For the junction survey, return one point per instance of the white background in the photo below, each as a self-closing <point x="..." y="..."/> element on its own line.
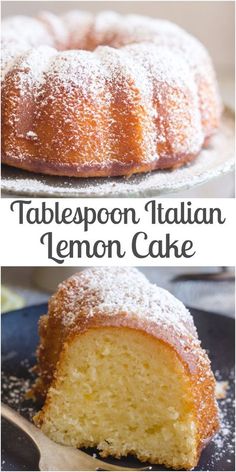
<point x="214" y="244"/>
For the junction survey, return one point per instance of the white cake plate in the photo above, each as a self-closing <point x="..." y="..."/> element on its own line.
<point x="217" y="160"/>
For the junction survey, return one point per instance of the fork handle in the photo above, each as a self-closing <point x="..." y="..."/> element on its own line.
<point x="19" y="421"/>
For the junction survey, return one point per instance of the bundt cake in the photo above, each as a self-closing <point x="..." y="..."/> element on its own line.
<point x="104" y="95"/>
<point x="121" y="368"/>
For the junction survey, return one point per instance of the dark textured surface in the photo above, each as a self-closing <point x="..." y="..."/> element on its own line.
<point x="19" y="341"/>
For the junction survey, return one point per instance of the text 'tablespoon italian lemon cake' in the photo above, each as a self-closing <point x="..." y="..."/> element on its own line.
<point x="121" y="368"/>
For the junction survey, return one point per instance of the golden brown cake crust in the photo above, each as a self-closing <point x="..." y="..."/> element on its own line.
<point x="132" y="97"/>
<point x="44" y="166"/>
<point x="124" y="298"/>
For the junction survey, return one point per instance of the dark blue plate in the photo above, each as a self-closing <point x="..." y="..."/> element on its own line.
<point x="19" y="341"/>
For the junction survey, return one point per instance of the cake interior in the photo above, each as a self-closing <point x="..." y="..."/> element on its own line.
<point x="124" y="392"/>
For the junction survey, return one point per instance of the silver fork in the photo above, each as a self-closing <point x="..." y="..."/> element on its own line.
<point x="54" y="456"/>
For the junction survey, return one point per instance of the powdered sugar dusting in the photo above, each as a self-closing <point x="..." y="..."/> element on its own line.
<point x="14" y="392"/>
<point x="111" y="292"/>
<point x="221" y="389"/>
<point x="171" y="81"/>
<point x="120" y="108"/>
<point x="23" y="28"/>
<point x="56" y="28"/>
<point x="224" y="441"/>
<point x="31" y="135"/>
<point x="78" y="25"/>
<point x="120" y="30"/>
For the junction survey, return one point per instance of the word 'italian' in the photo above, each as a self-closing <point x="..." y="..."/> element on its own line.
<point x="55" y="212"/>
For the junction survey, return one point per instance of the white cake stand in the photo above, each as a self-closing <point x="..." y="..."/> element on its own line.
<point x="217" y="160"/>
